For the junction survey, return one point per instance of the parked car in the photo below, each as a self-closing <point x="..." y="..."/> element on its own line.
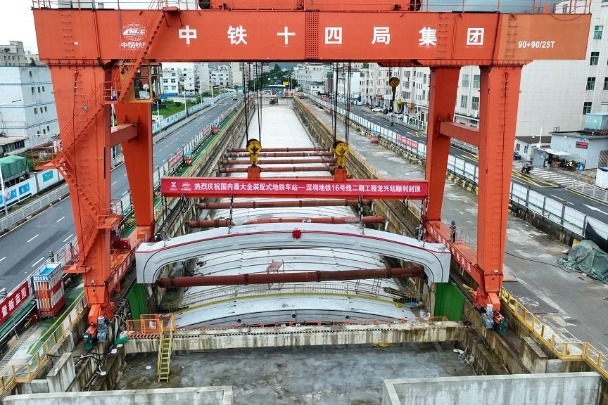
<point x="516" y="156"/>
<point x="377" y="109"/>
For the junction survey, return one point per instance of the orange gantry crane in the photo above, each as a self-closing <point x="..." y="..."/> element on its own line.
<point x="110" y="56"/>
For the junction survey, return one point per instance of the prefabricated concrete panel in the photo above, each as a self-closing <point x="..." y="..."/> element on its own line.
<point x="521" y="389"/>
<point x="220" y="395"/>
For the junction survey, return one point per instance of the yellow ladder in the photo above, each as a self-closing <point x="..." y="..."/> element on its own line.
<point x="163" y="368"/>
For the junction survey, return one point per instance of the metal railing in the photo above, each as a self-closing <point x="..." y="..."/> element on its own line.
<point x="503" y="6"/>
<point x="40" y="203"/>
<point x="561" y="215"/>
<point x="563" y="349"/>
<point x="28" y="370"/>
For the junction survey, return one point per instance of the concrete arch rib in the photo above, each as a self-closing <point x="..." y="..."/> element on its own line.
<point x="151" y="257"/>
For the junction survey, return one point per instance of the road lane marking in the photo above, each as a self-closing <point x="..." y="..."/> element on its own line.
<point x="115" y="182"/>
<point x="68" y="238"/>
<point x="60" y="219"/>
<point x="561" y="199"/>
<point x="33" y="237"/>
<point x="3" y="258"/>
<point x="595" y="209"/>
<point x="125" y="192"/>
<point x="39" y="260"/>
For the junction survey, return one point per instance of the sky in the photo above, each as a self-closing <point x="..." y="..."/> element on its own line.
<point x="17" y="24"/>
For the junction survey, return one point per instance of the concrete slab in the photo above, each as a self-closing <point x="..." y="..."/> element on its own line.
<point x="303" y="375"/>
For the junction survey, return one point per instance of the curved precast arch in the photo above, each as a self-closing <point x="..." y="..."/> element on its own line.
<point x="151" y="257"/>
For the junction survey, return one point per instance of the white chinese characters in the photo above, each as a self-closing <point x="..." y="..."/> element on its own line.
<point x="237" y="35"/>
<point x="286" y="34"/>
<point x="382" y="35"/>
<point x="187" y="33"/>
<point x="428" y="37"/>
<point x="333" y="35"/>
<point x="475" y="36"/>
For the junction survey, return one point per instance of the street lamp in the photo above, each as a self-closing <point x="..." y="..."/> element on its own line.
<point x="4" y="196"/>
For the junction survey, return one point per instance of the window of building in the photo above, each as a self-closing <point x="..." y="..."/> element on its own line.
<point x="590" y="83"/>
<point x="605" y="83"/>
<point x="475" y="103"/>
<point x="38" y="89"/>
<point x="463" y="101"/>
<point x="43" y="89"/>
<point x="44" y="131"/>
<point x="465" y="80"/>
<point x="30" y="71"/>
<point x="595" y="58"/>
<point x="476" y="81"/>
<point x="587" y="107"/>
<point x="35" y="110"/>
<point x="48" y="128"/>
<point x="597" y="31"/>
<point x="33" y="90"/>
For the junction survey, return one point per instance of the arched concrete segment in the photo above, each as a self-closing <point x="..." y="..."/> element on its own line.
<point x="150" y="257"/>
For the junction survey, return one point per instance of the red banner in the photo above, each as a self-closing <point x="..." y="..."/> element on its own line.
<point x="176" y="158"/>
<point x="403" y="140"/>
<point x="14" y="300"/>
<point x="294" y="188"/>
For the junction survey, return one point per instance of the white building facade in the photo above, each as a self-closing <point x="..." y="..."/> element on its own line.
<point x="28" y="117"/>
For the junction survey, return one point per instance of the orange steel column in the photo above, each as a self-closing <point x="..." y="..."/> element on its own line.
<point x="84" y="162"/>
<point x="499" y="97"/>
<point x="443" y="88"/>
<point x="138" y="160"/>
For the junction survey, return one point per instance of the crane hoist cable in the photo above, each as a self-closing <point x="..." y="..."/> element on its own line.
<point x="347" y="105"/>
<point x="245" y="88"/>
<point x="260" y="101"/>
<point x="334" y="115"/>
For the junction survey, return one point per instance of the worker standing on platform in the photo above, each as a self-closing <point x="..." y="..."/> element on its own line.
<point x="453" y="231"/>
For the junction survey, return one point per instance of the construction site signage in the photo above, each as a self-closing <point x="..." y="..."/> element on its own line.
<point x="294" y="188"/>
<point x="14" y="300"/>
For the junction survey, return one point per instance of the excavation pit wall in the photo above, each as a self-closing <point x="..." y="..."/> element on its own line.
<point x="191" y="395"/>
<point x="290" y="336"/>
<point x="573" y="388"/>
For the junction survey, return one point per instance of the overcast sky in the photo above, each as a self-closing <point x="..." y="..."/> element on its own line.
<point x="17" y="21"/>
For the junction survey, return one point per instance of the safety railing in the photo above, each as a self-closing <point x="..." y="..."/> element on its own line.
<point x="562" y="348"/>
<point x="150" y="325"/>
<point x="219" y="294"/>
<point x="28" y="370"/>
<point x="562" y="215"/>
<point x="503" y="6"/>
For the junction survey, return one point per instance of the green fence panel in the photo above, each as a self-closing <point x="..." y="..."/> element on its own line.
<point x="137" y="301"/>
<point x="449" y="301"/>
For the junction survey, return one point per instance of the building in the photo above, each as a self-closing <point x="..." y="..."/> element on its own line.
<point x="171" y="78"/>
<point x="27" y="106"/>
<point x="312" y="76"/>
<point x="13" y="54"/>
<point x="221" y="77"/>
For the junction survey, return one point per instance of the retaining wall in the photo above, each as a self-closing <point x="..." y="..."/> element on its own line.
<point x="537" y="389"/>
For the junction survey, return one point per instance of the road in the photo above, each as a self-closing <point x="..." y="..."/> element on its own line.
<point x="26" y="247"/>
<point x="588" y="206"/>
<point x="567" y="301"/>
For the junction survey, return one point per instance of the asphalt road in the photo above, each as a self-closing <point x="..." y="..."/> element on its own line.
<point x="23" y="249"/>
<point x="585" y="205"/>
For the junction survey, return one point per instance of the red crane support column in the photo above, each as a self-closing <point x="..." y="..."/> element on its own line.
<point x="138" y="161"/>
<point x="85" y="139"/>
<point x="499" y="97"/>
<point x="443" y="88"/>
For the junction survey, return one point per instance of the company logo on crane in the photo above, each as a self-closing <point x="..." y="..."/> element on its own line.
<point x="133" y="35"/>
